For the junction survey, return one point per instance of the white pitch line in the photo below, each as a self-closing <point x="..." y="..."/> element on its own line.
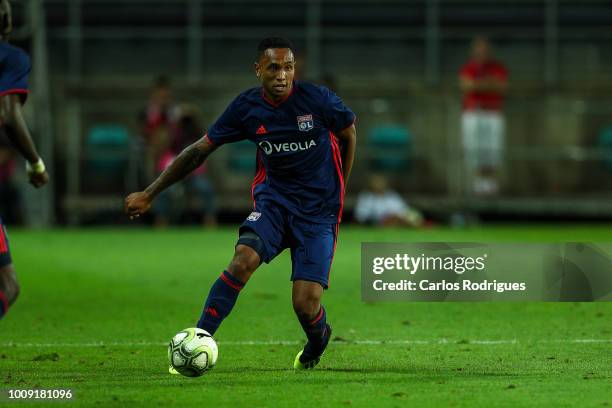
<point x="298" y="342"/>
<point x="513" y="341"/>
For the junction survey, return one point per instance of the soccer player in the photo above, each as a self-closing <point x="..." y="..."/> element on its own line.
<point x="14" y="70"/>
<point x="297" y="191"/>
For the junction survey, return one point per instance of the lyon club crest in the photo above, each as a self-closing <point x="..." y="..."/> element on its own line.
<point x="254" y="216"/>
<point x="305" y="123"/>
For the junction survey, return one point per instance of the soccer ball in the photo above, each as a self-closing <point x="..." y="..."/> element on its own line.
<point x="192" y="352"/>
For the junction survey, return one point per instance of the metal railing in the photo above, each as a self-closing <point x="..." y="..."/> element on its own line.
<point x="551" y="157"/>
<point x="402" y="45"/>
<point x="322" y="28"/>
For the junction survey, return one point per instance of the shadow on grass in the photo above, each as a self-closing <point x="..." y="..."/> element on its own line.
<point x="421" y="372"/>
<point x="338" y="377"/>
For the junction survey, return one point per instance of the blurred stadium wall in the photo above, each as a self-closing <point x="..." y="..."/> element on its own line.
<point x="394" y="62"/>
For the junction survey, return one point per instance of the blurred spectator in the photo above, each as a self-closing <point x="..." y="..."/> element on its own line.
<point x="483" y="81"/>
<point x="10" y="197"/>
<point x="196" y="193"/>
<point x="158" y="120"/>
<point x="379" y="205"/>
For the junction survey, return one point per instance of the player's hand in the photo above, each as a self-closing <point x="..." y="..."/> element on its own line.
<point x="38" y="179"/>
<point x="137" y="204"/>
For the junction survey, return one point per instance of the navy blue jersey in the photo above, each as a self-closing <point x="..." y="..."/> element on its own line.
<point x="298" y="158"/>
<point x="14" y="70"/>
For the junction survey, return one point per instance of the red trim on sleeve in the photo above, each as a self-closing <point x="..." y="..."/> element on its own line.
<point x="208" y="139"/>
<point x="17" y="91"/>
<point x="14" y="91"/>
<point x="3" y="245"/>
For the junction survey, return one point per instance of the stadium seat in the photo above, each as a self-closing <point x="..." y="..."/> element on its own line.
<point x="390" y="147"/>
<point x="107" y="147"/>
<point x="107" y="157"/>
<point x="604" y="142"/>
<point x="241" y="157"/>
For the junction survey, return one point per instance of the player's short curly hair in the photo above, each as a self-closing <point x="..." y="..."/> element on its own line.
<point x="272" y="42"/>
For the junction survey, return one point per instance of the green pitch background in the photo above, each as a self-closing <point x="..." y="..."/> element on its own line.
<point x="98" y="307"/>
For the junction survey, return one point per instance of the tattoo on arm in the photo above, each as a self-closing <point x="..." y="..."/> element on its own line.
<point x="190" y="159"/>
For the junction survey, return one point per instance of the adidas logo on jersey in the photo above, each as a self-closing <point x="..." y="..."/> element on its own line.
<point x="261" y="131"/>
<point x="269" y="148"/>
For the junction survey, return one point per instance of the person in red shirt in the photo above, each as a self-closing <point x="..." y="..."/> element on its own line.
<point x="197" y="192"/>
<point x="483" y="81"/>
<point x="158" y="120"/>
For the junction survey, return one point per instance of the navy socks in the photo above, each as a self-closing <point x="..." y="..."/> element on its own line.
<point x="222" y="298"/>
<point x="315" y="331"/>
<point x="220" y="301"/>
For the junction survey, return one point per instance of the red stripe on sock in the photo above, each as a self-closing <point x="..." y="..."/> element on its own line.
<point x="230" y="283"/>
<point x="319" y="316"/>
<point x="212" y="311"/>
<point x="4" y="301"/>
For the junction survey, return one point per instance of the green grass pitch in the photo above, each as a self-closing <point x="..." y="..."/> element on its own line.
<point x="99" y="306"/>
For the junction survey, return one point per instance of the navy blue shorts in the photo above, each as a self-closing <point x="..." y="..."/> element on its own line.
<point x="312" y="245"/>
<point x="5" y="252"/>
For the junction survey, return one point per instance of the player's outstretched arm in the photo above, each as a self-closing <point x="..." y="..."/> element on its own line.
<point x="348" y="137"/>
<point x="191" y="158"/>
<point x="17" y="131"/>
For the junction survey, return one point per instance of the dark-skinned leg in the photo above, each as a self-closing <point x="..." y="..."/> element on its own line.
<point x="9" y="288"/>
<point x="244" y="263"/>
<point x="306" y="298"/>
<point x="225" y="290"/>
